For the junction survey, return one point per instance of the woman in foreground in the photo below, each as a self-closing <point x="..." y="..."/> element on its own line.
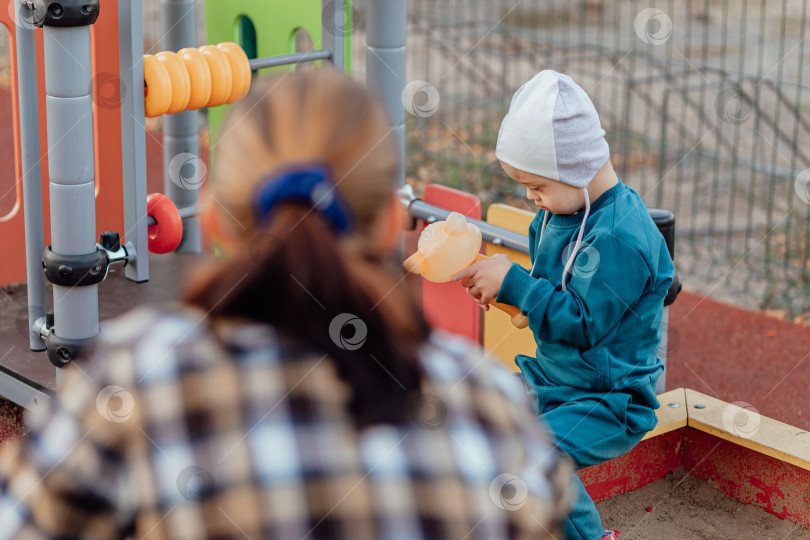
<point x="297" y="392"/>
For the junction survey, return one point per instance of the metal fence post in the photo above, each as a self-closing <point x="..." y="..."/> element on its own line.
<point x="133" y="136"/>
<point x="385" y="64"/>
<point x="182" y="175"/>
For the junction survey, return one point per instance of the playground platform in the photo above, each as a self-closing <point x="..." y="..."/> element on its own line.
<point x="26" y="372"/>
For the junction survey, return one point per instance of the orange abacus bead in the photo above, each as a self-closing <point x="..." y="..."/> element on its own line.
<point x="181" y="82"/>
<point x="157" y="87"/>
<point x="221" y="77"/>
<point x="240" y="69"/>
<point x="199" y="75"/>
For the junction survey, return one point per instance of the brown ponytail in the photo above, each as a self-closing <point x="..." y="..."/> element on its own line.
<point x="292" y="272"/>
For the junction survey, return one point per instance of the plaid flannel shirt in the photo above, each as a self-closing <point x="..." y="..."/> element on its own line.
<point x="179" y="429"/>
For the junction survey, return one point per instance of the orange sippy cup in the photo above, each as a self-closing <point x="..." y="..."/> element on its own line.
<point x="447" y="247"/>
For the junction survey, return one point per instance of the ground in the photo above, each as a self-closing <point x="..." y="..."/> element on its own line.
<point x="739" y="355"/>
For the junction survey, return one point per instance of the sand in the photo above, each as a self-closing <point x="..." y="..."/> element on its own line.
<point x="685" y="508"/>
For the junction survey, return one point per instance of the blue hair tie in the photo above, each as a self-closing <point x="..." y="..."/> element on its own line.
<point x="309" y="184"/>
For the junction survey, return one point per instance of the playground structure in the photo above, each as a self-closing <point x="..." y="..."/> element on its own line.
<point x="77" y="155"/>
<point x="74" y="45"/>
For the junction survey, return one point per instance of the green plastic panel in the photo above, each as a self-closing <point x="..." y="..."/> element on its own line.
<point x="274" y="24"/>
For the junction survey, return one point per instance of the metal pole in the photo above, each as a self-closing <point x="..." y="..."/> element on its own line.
<point x="498" y="236"/>
<point x="182" y="177"/>
<point x="661" y="385"/>
<point x="70" y="165"/>
<point x="31" y="171"/>
<point x="287" y="59"/>
<point x="133" y="136"/>
<point x="339" y="24"/>
<point x="186" y="213"/>
<point x="385" y="63"/>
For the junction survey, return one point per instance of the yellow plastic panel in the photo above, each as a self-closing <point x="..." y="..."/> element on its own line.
<point x="501" y="338"/>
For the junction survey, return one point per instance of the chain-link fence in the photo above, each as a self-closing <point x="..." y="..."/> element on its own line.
<point x="706" y="104"/>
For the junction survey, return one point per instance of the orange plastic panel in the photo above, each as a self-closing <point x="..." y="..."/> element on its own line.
<point x="447" y="305"/>
<point x="12" y="235"/>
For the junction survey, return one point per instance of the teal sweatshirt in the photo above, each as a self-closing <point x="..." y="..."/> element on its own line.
<point x="601" y="335"/>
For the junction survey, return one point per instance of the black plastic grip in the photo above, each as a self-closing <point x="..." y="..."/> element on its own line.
<point x="665" y="221"/>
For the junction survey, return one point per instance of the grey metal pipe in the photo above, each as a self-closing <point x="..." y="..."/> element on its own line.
<point x="287" y="59"/>
<point x="490" y="233"/>
<point x="385" y="63"/>
<point x="32" y="172"/>
<point x="71" y="168"/>
<point x="338" y="33"/>
<point x="133" y="135"/>
<point x="183" y="170"/>
<point x="186" y="213"/>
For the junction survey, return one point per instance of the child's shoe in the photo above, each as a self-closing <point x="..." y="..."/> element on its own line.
<point x="610" y="535"/>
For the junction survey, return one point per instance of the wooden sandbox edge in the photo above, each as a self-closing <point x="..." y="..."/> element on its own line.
<point x="751" y="458"/>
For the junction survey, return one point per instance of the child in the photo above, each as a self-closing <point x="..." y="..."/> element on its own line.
<point x="594" y="296"/>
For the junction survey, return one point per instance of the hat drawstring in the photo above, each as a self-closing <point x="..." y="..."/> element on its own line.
<point x="579" y="239"/>
<point x="542" y="230"/>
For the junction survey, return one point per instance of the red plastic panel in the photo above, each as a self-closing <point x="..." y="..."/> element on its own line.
<point x="447" y="305"/>
<point x="777" y="487"/>
<point x="650" y="460"/>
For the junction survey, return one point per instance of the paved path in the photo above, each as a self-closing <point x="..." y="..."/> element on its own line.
<point x="739" y="355"/>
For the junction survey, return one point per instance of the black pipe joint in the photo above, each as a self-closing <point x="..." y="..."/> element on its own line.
<point x="62" y="351"/>
<point x="75" y="270"/>
<point x="65" y="13"/>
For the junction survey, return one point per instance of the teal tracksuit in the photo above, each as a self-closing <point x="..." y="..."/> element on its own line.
<point x="595" y="368"/>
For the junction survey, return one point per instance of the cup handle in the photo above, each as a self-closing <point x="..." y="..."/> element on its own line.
<point x="518" y="318"/>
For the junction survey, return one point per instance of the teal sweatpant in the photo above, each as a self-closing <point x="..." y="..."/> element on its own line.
<point x="590" y="430"/>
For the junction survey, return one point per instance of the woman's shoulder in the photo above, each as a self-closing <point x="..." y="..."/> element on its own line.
<point x="159" y="342"/>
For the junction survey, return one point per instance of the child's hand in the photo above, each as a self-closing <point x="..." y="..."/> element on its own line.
<point x="483" y="279"/>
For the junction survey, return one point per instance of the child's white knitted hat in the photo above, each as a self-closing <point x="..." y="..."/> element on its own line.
<point x="552" y="129"/>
